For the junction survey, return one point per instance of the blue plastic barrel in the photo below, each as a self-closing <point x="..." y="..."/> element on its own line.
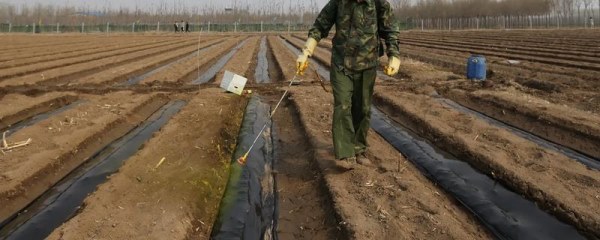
<point x="476" y="67"/>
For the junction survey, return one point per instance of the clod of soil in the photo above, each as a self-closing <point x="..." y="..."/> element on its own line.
<point x="541" y="85"/>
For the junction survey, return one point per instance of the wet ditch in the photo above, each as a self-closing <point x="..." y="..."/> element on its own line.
<point x="249" y="207"/>
<point x="589" y="161"/>
<point x="505" y="213"/>
<point x="211" y="72"/>
<point x="261" y="75"/>
<point x="62" y="201"/>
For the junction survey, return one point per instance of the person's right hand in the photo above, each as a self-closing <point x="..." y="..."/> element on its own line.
<point x="301" y="64"/>
<point x="307" y="51"/>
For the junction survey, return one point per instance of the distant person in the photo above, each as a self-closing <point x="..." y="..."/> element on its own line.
<point x="359" y="24"/>
<point x="182" y="26"/>
<point x="591" y="22"/>
<point x="176" y="25"/>
<point x="187" y="26"/>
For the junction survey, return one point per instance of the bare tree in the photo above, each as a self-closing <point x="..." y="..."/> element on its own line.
<point x="587" y="4"/>
<point x="474" y="8"/>
<point x="578" y="3"/>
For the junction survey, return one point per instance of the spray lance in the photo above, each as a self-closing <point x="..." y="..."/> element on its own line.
<point x="242" y="160"/>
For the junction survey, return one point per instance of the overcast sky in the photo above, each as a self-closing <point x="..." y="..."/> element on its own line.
<point x="99" y="4"/>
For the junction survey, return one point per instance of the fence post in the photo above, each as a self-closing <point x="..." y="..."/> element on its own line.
<point x="261" y="26"/>
<point x="33" y="28"/>
<point x="158" y="27"/>
<point x="208" y="26"/>
<point x="133" y="27"/>
<point x="422" y="25"/>
<point x="289" y="23"/>
<point x="9" y="27"/>
<point x="82" y="27"/>
<point x="57" y="27"/>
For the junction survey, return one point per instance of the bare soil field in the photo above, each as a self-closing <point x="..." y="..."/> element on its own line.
<point x="129" y="137"/>
<point x="176" y="198"/>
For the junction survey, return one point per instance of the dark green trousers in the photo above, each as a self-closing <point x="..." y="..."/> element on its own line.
<point x="352" y="94"/>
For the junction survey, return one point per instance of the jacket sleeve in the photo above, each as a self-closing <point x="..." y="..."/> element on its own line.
<point x="324" y="21"/>
<point x="388" y="28"/>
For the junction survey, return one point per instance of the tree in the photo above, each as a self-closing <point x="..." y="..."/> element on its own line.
<point x="578" y="3"/>
<point x="473" y="8"/>
<point x="586" y="14"/>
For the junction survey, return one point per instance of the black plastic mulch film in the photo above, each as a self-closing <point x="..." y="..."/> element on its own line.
<point x="506" y="214"/>
<point x="63" y="200"/>
<point x="589" y="161"/>
<point x="249" y="206"/>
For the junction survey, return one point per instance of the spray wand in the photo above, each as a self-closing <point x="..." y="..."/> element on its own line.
<point x="242" y="160"/>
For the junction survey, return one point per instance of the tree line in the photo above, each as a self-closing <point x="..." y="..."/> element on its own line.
<point x="268" y="11"/>
<point x="280" y="11"/>
<point x="494" y="8"/>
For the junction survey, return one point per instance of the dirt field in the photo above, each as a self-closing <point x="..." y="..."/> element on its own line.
<point x="130" y="137"/>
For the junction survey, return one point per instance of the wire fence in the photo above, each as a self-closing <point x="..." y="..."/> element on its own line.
<point x="145" y="27"/>
<point x="503" y="22"/>
<point x="157" y="27"/>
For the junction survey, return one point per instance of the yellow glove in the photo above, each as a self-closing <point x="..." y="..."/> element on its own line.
<point x="393" y="66"/>
<point x="307" y="51"/>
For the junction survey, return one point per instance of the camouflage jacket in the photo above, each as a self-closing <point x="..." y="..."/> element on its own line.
<point x="359" y="26"/>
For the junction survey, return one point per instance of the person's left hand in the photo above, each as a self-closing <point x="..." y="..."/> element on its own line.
<point x="393" y="66"/>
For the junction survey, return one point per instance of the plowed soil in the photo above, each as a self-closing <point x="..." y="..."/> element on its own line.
<point x="557" y="183"/>
<point x="74" y="95"/>
<point x="386" y="201"/>
<point x="180" y="198"/>
<point x="241" y="62"/>
<point x="62" y="142"/>
<point x="184" y="71"/>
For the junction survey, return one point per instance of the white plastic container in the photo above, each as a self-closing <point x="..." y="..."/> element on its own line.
<point x="233" y="83"/>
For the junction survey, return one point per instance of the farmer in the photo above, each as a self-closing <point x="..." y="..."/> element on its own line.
<point x="187" y="26"/>
<point x="176" y="25"/>
<point x="356" y="48"/>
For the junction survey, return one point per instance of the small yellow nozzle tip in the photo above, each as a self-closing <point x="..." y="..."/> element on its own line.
<point x="242" y="160"/>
